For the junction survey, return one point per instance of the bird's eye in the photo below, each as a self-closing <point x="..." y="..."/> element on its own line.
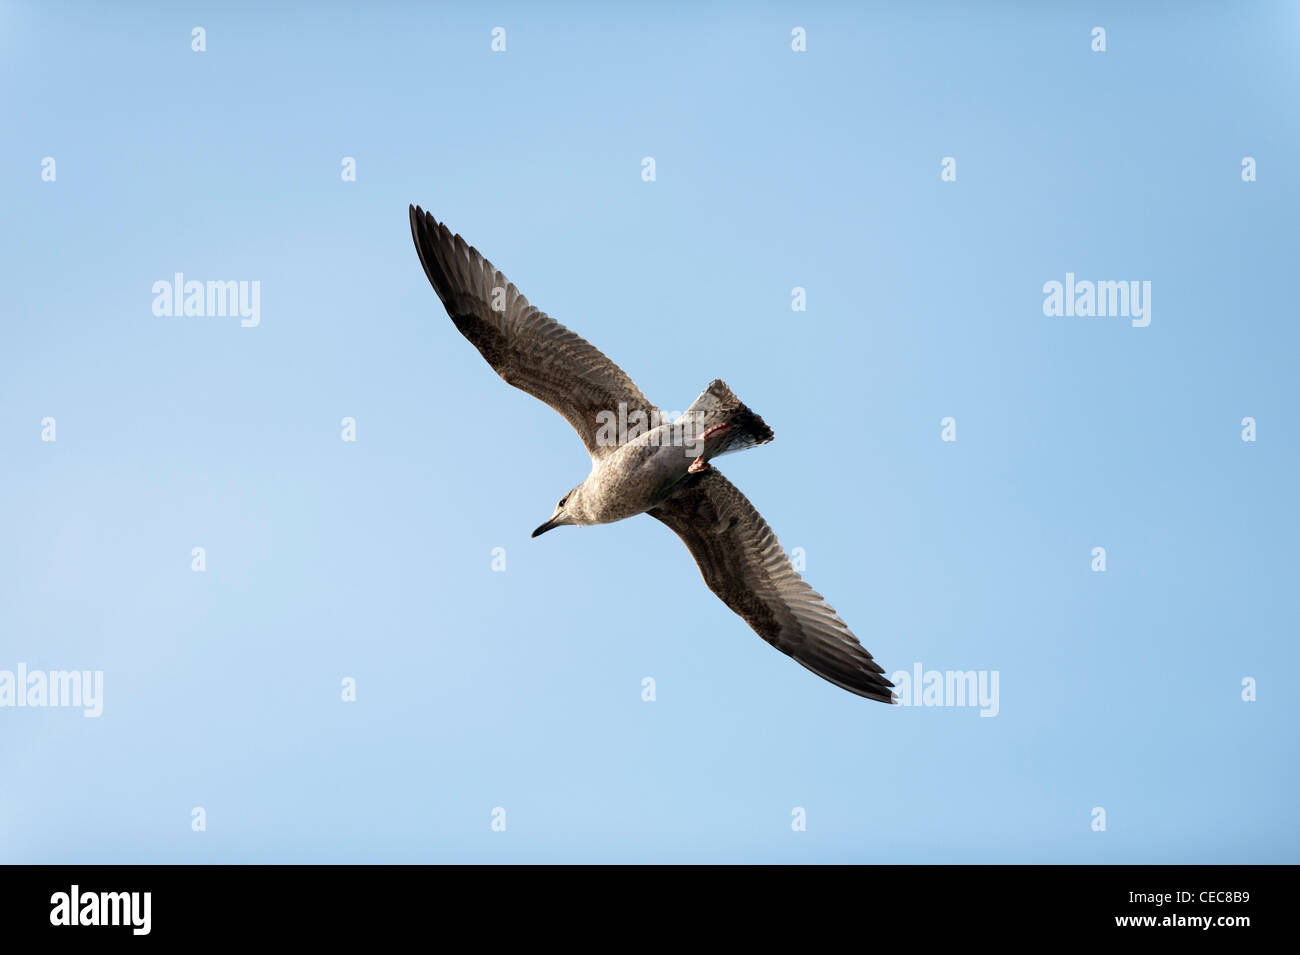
<point x="562" y="500"/>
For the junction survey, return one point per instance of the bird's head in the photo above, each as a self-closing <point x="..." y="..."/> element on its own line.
<point x="568" y="511"/>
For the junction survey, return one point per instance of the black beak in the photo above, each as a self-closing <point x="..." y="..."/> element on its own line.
<point x="544" y="528"/>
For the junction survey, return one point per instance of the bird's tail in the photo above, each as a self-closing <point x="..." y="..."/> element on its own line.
<point x="716" y="406"/>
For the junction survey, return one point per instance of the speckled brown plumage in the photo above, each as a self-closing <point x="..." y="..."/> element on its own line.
<point x="737" y="552"/>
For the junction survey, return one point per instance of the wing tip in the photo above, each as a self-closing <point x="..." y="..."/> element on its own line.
<point x="881" y="691"/>
<point x="428" y="233"/>
<point x="865" y="678"/>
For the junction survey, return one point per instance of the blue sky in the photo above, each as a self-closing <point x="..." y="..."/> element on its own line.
<point x="775" y="169"/>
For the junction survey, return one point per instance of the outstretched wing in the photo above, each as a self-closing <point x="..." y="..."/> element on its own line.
<point x="524" y="346"/>
<point x="742" y="562"/>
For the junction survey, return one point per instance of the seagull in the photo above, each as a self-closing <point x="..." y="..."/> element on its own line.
<point x="642" y="463"/>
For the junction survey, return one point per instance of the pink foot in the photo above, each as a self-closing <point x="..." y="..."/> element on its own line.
<point x="716" y="430"/>
<point x="698" y="466"/>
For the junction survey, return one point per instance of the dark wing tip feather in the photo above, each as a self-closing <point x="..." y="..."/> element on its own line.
<point x="422" y="226"/>
<point x="523" y="345"/>
<point x="437" y="249"/>
<point x="742" y="562"/>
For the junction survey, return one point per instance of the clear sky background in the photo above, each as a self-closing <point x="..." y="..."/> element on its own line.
<point x="522" y="689"/>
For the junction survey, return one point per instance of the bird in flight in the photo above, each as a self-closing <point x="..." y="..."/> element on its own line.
<point x="655" y="467"/>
